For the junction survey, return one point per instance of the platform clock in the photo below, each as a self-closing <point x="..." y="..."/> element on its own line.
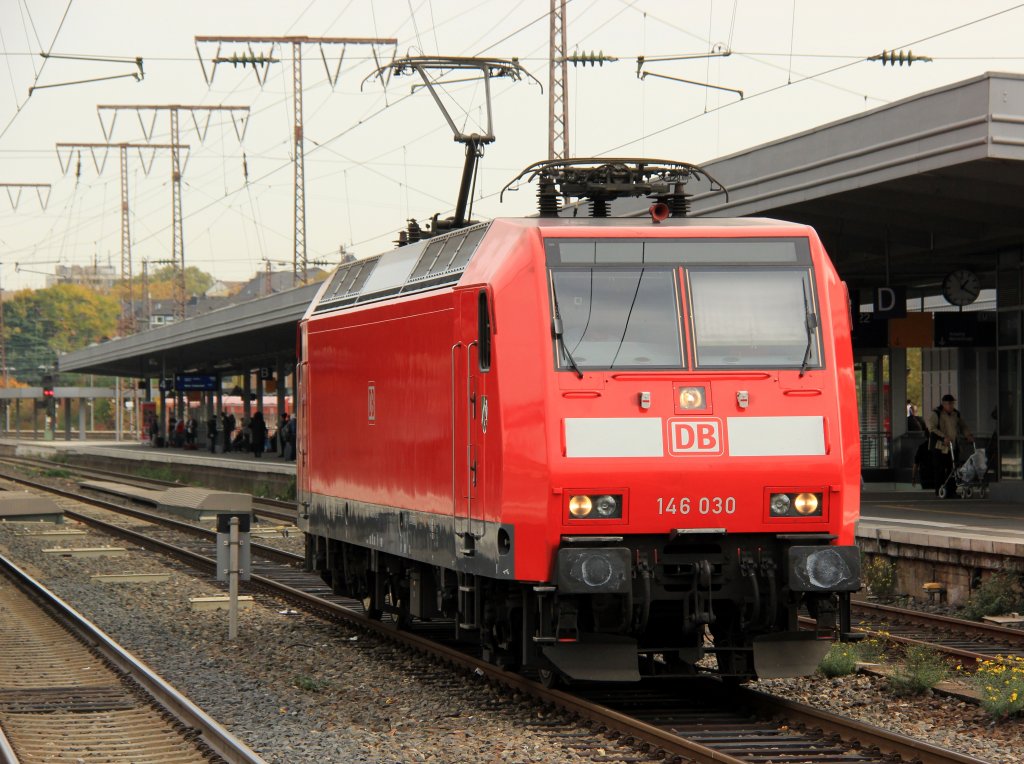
<point x="961" y="287"/>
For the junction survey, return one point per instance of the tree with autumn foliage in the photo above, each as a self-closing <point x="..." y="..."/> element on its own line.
<point x="161" y="284"/>
<point x="41" y="324"/>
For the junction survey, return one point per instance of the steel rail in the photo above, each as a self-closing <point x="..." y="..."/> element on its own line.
<point x="978" y="627"/>
<point x="215" y="736"/>
<point x="269" y="552"/>
<point x="7" y="755"/>
<point x="866" y="735"/>
<point x="1012" y="639"/>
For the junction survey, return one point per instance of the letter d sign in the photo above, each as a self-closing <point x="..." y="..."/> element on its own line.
<point x="891" y="302"/>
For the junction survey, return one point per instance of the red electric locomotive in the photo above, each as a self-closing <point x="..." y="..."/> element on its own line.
<point x="603" y="447"/>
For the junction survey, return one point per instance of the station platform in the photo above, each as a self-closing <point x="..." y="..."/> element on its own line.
<point x="908" y="512"/>
<point x="951" y="541"/>
<point x="268" y="475"/>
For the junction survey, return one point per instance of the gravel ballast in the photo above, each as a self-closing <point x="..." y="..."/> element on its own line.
<point x="298" y="689"/>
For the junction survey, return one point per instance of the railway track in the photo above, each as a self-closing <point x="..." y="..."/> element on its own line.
<point x="272" y="509"/>
<point x="968" y="641"/>
<point x="68" y="691"/>
<point x="694" y="720"/>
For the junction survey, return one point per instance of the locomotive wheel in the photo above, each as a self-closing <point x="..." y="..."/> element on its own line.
<point x="397" y="604"/>
<point x="373" y="613"/>
<point x="552" y="678"/>
<point x="499" y="648"/>
<point x="373" y="608"/>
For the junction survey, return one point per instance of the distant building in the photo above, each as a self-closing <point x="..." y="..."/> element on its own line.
<point x="94" y="276"/>
<point x="224" y="288"/>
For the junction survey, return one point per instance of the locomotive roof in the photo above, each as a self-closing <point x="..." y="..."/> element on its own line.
<point x="439" y="261"/>
<point x="643" y="220"/>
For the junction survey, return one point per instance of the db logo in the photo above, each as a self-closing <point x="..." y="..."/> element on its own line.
<point x="694" y="436"/>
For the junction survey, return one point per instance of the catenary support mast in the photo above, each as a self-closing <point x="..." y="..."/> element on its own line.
<point x="558" y="98"/>
<point x="260" y="63"/>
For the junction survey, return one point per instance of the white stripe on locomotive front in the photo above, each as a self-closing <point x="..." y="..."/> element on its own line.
<point x="776" y="435"/>
<point x="746" y="436"/>
<point x="614" y="436"/>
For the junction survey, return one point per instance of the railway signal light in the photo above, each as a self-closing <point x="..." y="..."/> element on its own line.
<point x="47" y="387"/>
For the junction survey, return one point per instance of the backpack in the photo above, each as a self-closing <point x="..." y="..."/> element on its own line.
<point x="933" y="439"/>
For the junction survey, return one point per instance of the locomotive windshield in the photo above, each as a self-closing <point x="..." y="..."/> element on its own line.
<point x="751" y="303"/>
<point x="618" y="318"/>
<point x="753" y="317"/>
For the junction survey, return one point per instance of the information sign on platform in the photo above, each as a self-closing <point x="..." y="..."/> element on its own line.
<point x="965" y="330"/>
<point x="184" y="382"/>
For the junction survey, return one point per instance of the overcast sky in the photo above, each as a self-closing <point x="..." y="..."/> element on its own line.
<point x="376" y="156"/>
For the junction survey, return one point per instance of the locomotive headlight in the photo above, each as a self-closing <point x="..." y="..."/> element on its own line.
<point x="796" y="504"/>
<point x="691" y="397"/>
<point x="595" y="506"/>
<point x="580" y="506"/>
<point x="806" y="504"/>
<point x="780" y="504"/>
<point x="606" y="506"/>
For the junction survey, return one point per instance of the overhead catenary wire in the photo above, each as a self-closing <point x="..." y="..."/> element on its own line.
<point x="39" y="73"/>
<point x="816" y="76"/>
<point x="227" y="196"/>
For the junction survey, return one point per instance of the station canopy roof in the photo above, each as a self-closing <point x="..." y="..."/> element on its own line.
<point x="900" y="195"/>
<point x="230" y="340"/>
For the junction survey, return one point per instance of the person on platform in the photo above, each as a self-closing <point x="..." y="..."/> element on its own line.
<point x="282" y="435"/>
<point x="226" y="430"/>
<point x="290" y="437"/>
<point x="211" y="432"/>
<point x="258" y="433"/>
<point x="945" y="425"/>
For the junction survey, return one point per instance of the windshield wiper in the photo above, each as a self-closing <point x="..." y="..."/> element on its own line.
<point x="810" y="324"/>
<point x="556" y="329"/>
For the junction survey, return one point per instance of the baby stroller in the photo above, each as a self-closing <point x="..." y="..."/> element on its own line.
<point x="969" y="478"/>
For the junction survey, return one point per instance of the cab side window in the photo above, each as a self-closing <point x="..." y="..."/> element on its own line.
<point x="484" y="331"/>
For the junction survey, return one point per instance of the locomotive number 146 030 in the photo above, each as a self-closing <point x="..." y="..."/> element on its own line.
<point x="705" y="505"/>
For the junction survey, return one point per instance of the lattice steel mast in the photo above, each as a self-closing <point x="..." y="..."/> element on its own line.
<point x="261" y="65"/>
<point x="127" y="320"/>
<point x="239" y="118"/>
<point x="558" y="98"/>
